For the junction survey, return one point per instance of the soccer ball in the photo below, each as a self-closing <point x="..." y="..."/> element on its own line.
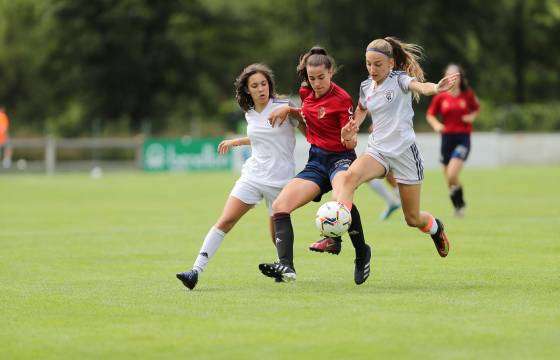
<point x="333" y="219"/>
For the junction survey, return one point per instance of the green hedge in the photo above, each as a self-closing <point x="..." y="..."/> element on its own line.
<point x="519" y="117"/>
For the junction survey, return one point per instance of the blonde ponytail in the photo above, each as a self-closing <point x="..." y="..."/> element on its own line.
<point x="407" y="56"/>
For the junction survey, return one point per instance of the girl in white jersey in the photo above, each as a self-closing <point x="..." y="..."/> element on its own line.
<point x="395" y="78"/>
<point x="265" y="173"/>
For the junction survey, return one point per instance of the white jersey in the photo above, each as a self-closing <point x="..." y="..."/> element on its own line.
<point x="272" y="160"/>
<point x="390" y="106"/>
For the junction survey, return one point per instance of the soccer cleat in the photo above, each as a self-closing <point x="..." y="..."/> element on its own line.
<point x="278" y="271"/>
<point x="440" y="240"/>
<point x="362" y="269"/>
<point x="189" y="278"/>
<point x="390" y="209"/>
<point x="328" y="244"/>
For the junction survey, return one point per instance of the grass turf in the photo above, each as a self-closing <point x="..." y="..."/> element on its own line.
<point x="87" y="270"/>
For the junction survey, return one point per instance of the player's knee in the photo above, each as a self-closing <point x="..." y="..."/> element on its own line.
<point x="280" y="206"/>
<point x="350" y="179"/>
<point x="225" y="224"/>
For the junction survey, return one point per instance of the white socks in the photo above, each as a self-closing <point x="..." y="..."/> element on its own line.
<point x="211" y="244"/>
<point x="380" y="188"/>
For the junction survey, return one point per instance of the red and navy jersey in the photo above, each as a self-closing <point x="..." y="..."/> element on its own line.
<point x="452" y="109"/>
<point x="325" y="116"/>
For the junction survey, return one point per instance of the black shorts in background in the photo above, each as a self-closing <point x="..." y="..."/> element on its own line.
<point x="455" y="146"/>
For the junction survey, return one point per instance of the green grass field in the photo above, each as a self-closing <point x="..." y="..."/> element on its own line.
<point x="87" y="270"/>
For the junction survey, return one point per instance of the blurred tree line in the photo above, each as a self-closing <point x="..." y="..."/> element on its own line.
<point x="81" y="67"/>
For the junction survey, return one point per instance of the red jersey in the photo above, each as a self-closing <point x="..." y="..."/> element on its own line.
<point x="325" y="116"/>
<point x="452" y="108"/>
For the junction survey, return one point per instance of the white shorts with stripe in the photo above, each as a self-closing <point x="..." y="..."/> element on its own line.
<point x="252" y="193"/>
<point x="408" y="167"/>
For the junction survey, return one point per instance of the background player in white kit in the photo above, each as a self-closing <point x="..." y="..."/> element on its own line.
<point x="395" y="76"/>
<point x="264" y="174"/>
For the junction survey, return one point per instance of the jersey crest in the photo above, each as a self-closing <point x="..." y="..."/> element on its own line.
<point x="321" y="112"/>
<point x="389" y="95"/>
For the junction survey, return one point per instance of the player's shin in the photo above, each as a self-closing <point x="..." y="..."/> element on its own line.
<point x="211" y="244"/>
<point x="357" y="233"/>
<point x="284" y="238"/>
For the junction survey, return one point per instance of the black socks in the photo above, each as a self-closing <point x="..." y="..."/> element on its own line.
<point x="357" y="233"/>
<point x="456" y="195"/>
<point x="284" y="238"/>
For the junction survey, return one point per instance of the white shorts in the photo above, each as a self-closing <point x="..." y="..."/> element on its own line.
<point x="408" y="167"/>
<point x="252" y="193"/>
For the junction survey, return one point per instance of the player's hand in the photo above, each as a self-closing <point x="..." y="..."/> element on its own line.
<point x="469" y="118"/>
<point x="224" y="146"/>
<point x="278" y="116"/>
<point x="439" y="127"/>
<point x="447" y="82"/>
<point x="349" y="130"/>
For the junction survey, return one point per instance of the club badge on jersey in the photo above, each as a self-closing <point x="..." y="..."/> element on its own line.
<point x="321" y="112"/>
<point x="389" y="95"/>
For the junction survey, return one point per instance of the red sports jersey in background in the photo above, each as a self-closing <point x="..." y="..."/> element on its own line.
<point x="452" y="109"/>
<point x="325" y="116"/>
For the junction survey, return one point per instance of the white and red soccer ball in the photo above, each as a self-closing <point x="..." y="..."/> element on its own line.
<point x="333" y="219"/>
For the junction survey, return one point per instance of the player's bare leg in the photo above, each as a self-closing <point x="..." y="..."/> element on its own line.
<point x="424" y="221"/>
<point x="233" y="210"/>
<point x="452" y="171"/>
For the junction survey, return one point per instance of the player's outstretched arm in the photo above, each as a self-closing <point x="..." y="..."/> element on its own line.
<point x="428" y="88"/>
<point x="225" y="145"/>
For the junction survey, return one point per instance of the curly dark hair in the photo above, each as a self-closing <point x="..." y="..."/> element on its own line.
<point x="242" y="95"/>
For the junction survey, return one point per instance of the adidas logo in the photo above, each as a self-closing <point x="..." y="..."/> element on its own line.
<point x="205" y="254"/>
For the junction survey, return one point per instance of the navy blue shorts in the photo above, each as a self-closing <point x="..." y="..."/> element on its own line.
<point x="455" y="146"/>
<point x="323" y="165"/>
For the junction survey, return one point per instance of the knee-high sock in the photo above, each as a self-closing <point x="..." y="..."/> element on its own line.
<point x="378" y="186"/>
<point x="456" y="195"/>
<point x="284" y="238"/>
<point x="211" y="244"/>
<point x="357" y="233"/>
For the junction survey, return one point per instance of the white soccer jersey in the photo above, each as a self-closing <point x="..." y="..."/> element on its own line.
<point x="272" y="160"/>
<point x="390" y="106"/>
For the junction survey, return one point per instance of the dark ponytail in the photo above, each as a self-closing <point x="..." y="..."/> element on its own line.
<point x="317" y="56"/>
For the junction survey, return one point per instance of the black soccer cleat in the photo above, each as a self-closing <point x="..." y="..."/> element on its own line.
<point x="362" y="269"/>
<point x="440" y="240"/>
<point x="188" y="278"/>
<point x="278" y="271"/>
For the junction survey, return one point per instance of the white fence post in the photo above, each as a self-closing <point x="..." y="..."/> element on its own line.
<point x="50" y="154"/>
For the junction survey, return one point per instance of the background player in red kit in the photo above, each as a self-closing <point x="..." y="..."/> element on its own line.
<point x="457" y="109"/>
<point x="326" y="108"/>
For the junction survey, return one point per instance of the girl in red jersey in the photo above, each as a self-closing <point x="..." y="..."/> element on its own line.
<point x="457" y="108"/>
<point x="395" y="78"/>
<point x="326" y="108"/>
